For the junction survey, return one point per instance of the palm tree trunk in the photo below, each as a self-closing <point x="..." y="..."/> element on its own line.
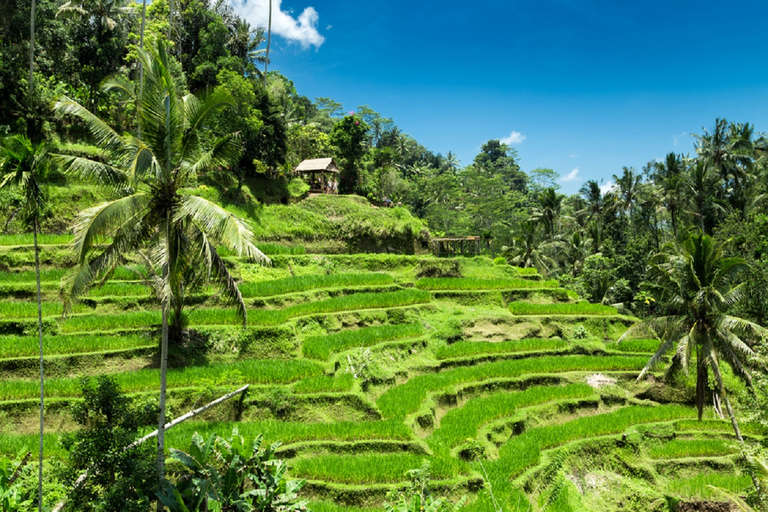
<point x="701" y="382"/>
<point x="40" y="338"/>
<point x="141" y="65"/>
<point x="734" y="423"/>
<point x="31" y="54"/>
<point x="269" y="39"/>
<point x="166" y="305"/>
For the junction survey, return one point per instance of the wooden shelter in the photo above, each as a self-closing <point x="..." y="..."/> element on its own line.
<point x="456" y="246"/>
<point x="320" y="174"/>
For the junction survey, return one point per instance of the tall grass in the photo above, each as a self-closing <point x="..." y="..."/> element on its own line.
<point x="464" y="283"/>
<point x="293" y="432"/>
<point x="27" y="346"/>
<point x="364" y="468"/>
<point x="524" y="451"/>
<point x="697" y="486"/>
<point x="578" y="308"/>
<point x="250" y="371"/>
<point x="311" y="282"/>
<point x="272" y="249"/>
<point x="462" y="423"/>
<point x="406" y="398"/>
<point x="19" y="309"/>
<point x="27" y="239"/>
<point x="97" y="323"/>
<point x="325" y="384"/>
<point x="644" y="346"/>
<point x="55" y="275"/>
<point x="321" y="347"/>
<point x="718" y="426"/>
<point x="681" y="448"/>
<point x="345" y="303"/>
<point x="474" y="348"/>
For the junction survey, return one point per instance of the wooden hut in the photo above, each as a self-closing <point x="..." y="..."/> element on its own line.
<point x="322" y="175"/>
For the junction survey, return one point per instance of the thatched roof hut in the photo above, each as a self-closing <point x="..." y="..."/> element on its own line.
<point x="317" y="170"/>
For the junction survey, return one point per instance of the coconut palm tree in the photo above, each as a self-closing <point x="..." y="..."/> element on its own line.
<point x="31" y="48"/>
<point x="529" y="250"/>
<point x="695" y="284"/>
<point x="23" y="165"/>
<point x="269" y="41"/>
<point x="174" y="232"/>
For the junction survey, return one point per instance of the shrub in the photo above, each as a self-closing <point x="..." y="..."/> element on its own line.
<point x="439" y="268"/>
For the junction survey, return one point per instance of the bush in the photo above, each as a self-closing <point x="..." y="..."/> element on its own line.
<point x="439" y="268"/>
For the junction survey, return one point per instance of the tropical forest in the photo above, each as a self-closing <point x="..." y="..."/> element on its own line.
<point x="218" y="294"/>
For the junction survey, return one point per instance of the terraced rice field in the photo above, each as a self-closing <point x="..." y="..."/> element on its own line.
<point x="365" y="372"/>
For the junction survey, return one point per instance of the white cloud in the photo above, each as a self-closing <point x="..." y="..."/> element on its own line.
<point x="571" y="176"/>
<point x="610" y="185"/>
<point x="676" y="138"/>
<point x="573" y="155"/>
<point x="301" y="29"/>
<point x="514" y="138"/>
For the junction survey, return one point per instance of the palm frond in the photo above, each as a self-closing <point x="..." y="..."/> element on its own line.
<point x="222" y="226"/>
<point x="105" y="136"/>
<point x="105" y="220"/>
<point x="120" y="85"/>
<point x="93" y="171"/>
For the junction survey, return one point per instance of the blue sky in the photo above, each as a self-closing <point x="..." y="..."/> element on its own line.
<point x="580" y="86"/>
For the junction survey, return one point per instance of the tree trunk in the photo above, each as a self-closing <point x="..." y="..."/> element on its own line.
<point x="40" y="339"/>
<point x="701" y="382"/>
<point x="734" y="423"/>
<point x="269" y="39"/>
<point x="166" y="305"/>
<point x="141" y="65"/>
<point x="31" y="58"/>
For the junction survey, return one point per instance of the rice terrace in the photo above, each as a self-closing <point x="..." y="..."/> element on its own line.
<point x="218" y="294"/>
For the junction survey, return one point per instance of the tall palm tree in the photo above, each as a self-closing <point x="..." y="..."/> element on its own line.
<point x="31" y="49"/>
<point x="592" y="194"/>
<point x="549" y="211"/>
<point x="23" y="165"/>
<point x="696" y="284"/>
<point x="174" y="232"/>
<point x="628" y="190"/>
<point x="530" y="250"/>
<point x="269" y="41"/>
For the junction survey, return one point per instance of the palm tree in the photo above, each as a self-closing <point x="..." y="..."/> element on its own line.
<point x="528" y="250"/>
<point x="173" y="232"/>
<point x="628" y="186"/>
<point x="31" y="49"/>
<point x="549" y="211"/>
<point x="269" y="40"/>
<point x="594" y="198"/>
<point x="696" y="285"/>
<point x="23" y="165"/>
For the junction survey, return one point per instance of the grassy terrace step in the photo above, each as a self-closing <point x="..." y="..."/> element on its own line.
<point x="462" y="423"/>
<point x="250" y="371"/>
<point x="27" y="346"/>
<point x="463" y="283"/>
<point x="577" y="308"/>
<point x="321" y="347"/>
<point x="28" y="239"/>
<point x="345" y="303"/>
<point x="697" y="486"/>
<point x="294" y="432"/>
<point x="718" y="426"/>
<point x="404" y="399"/>
<point x="363" y="469"/>
<point x="28" y="309"/>
<point x="325" y="384"/>
<point x="682" y="448"/>
<point x="524" y="451"/>
<point x="646" y="346"/>
<point x="476" y="348"/>
<point x="312" y="282"/>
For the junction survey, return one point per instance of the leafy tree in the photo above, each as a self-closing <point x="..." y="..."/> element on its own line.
<point x="548" y="211"/>
<point x="541" y="179"/>
<point x="347" y="137"/>
<point x="695" y="284"/>
<point x="497" y="158"/>
<point x="119" y="478"/>
<point x="24" y="165"/>
<point x="226" y="475"/>
<point x="175" y="232"/>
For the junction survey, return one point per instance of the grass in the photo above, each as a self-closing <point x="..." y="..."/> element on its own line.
<point x="325" y="384"/>
<point x="345" y="303"/>
<point x="454" y="283"/>
<point x="644" y="346"/>
<point x="272" y="249"/>
<point x="27" y="239"/>
<point x="19" y="309"/>
<point x="97" y="323"/>
<point x="293" y="432"/>
<point x="718" y="426"/>
<point x="697" y="486"/>
<point x="681" y="448"/>
<point x="363" y="468"/>
<point x="311" y="282"/>
<point x="577" y="308"/>
<point x="404" y="399"/>
<point x="524" y="451"/>
<point x="250" y="371"/>
<point x="27" y="346"/>
<point x="475" y="348"/>
<point x="321" y="347"/>
<point x="462" y="423"/>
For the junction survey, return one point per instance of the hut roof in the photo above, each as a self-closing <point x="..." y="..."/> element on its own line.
<point x="317" y="165"/>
